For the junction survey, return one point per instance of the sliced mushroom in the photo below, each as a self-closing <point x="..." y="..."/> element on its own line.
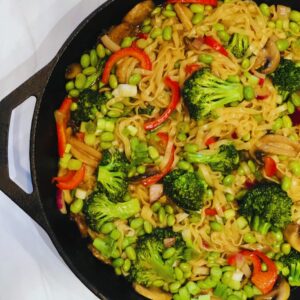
<point x="193" y="44"/>
<point x="282" y="292"/>
<point x="117" y="33"/>
<point x="152" y="293"/>
<point x="72" y="71"/>
<point x="139" y="13"/>
<point x="184" y="15"/>
<point x="292" y="235"/>
<point x="268" y="58"/>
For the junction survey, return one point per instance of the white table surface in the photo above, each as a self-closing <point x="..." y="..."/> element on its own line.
<point x="31" y="33"/>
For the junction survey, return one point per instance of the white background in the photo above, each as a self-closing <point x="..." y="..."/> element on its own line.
<point x="31" y="33"/>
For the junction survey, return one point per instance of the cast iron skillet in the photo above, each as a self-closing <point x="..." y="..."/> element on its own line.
<point x="48" y="87"/>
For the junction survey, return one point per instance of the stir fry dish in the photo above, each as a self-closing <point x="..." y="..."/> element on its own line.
<point x="179" y="152"/>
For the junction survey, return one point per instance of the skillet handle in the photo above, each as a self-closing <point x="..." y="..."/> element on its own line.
<point x="34" y="86"/>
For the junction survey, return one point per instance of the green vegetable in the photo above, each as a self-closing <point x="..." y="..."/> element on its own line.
<point x="203" y="92"/>
<point x="282" y="44"/>
<point x="135" y="79"/>
<point x="100" y="51"/>
<point x="85" y="60"/>
<point x="150" y="266"/>
<point x="295" y="16"/>
<point x="99" y="210"/>
<point x="205" y="58"/>
<point x="169" y="13"/>
<point x="249" y="92"/>
<point x="223" y="160"/>
<point x="76" y="206"/>
<point x="267" y="207"/>
<point x="265" y="9"/>
<point x="292" y="263"/>
<point x="197" y="8"/>
<point x="223" y="35"/>
<point x="112" y="175"/>
<point x="186" y="189"/>
<point x="80" y="81"/>
<point x="156" y="32"/>
<point x="197" y="18"/>
<point x="238" y="45"/>
<point x="167" y="33"/>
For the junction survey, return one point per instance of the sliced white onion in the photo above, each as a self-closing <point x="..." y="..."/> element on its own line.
<point x="80" y="194"/>
<point x="125" y="90"/>
<point x="155" y="192"/>
<point x="109" y="43"/>
<point x="237" y="276"/>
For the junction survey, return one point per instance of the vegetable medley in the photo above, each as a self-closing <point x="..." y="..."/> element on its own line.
<point x="179" y="153"/>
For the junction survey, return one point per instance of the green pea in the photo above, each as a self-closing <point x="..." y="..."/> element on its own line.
<point x="85" y="60"/>
<point x="294" y="27"/>
<point x="206" y="58"/>
<point x="229" y="180"/>
<point x="74" y="93"/>
<point x="161" y="215"/>
<point x="245" y="63"/>
<point x="80" y="81"/>
<point x="286" y="183"/>
<point x="126" y="265"/>
<point x="69" y="86"/>
<point x="136" y="223"/>
<point x="233" y="78"/>
<point x="219" y="27"/>
<point x="135" y="79"/>
<point x="107" y="137"/>
<point x="146" y="28"/>
<point x="76" y="206"/>
<point x="105" y="145"/>
<point x="169" y="253"/>
<point x="279" y="24"/>
<point x="130" y="252"/>
<point x="93" y="58"/>
<point x="118" y="262"/>
<point x="249" y="238"/>
<point x="115" y="234"/>
<point x="167" y="33"/>
<point x="100" y="50"/>
<point x="107" y="228"/>
<point x="89" y="71"/>
<point x="174" y="287"/>
<point x="242" y="222"/>
<point x="191" y="148"/>
<point x="126" y="42"/>
<point x="156" y="206"/>
<point x="285" y="248"/>
<point x="223" y="35"/>
<point x="197" y="18"/>
<point x="277" y="124"/>
<point x="295" y="16"/>
<point x="216" y="226"/>
<point x="171" y="220"/>
<point x="192" y="288"/>
<point x="181" y="137"/>
<point x="114" y="114"/>
<point x="156" y="32"/>
<point x="197" y="8"/>
<point x="249" y="92"/>
<point x="290" y="107"/>
<point x="282" y="44"/>
<point x="265" y="9"/>
<point x="296" y="99"/>
<point x="169" y="13"/>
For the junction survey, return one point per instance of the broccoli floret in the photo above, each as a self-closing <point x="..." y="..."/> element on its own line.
<point x="238" y="45"/>
<point x="88" y="104"/>
<point x="150" y="266"/>
<point x="113" y="175"/>
<point x="98" y="210"/>
<point x="292" y="261"/>
<point x="203" y="92"/>
<point x="286" y="78"/>
<point x="266" y="206"/>
<point x="224" y="160"/>
<point x="185" y="188"/>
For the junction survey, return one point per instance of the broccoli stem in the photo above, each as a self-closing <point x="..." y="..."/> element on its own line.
<point x="260" y="226"/>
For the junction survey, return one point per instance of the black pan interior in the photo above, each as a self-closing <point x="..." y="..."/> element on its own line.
<point x="64" y="233"/>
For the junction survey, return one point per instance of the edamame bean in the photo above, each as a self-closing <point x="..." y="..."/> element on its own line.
<point x="294" y="27"/>
<point x="285" y="271"/>
<point x="277" y="124"/>
<point x="279" y="24"/>
<point x="265" y="10"/>
<point x="118" y="271"/>
<point x="169" y="253"/>
<point x="130" y="252"/>
<point x="135" y="79"/>
<point x="113" y="81"/>
<point x="146" y="28"/>
<point x="156" y="32"/>
<point x="184" y="294"/>
<point x="278" y="235"/>
<point x="80" y="81"/>
<point x="192" y="288"/>
<point x="85" y="60"/>
<point x="290" y="107"/>
<point x="229" y="180"/>
<point x="287" y="122"/>
<point x="153" y="153"/>
<point x="156" y="206"/>
<point x="294" y="166"/>
<point x="197" y="18"/>
<point x="161" y="215"/>
<point x="93" y="58"/>
<point x="74" y="106"/>
<point x="216" y="226"/>
<point x="141" y="169"/>
<point x="167" y="33"/>
<point x="114" y="114"/>
<point x="136" y="223"/>
<point x="118" y="262"/>
<point x="89" y="71"/>
<point x="249" y="93"/>
<point x="115" y="253"/>
<point x="126" y="42"/>
<point x="223" y="35"/>
<point x="169" y="13"/>
<point x="148" y="227"/>
<point x="184" y="165"/>
<point x="126" y="265"/>
<point x="185" y="267"/>
<point x="158" y="283"/>
<point x="295" y="16"/>
<point x="233" y="78"/>
<point x="169" y="209"/>
<point x="229" y="213"/>
<point x="76" y="206"/>
<point x="242" y="222"/>
<point x="191" y="148"/>
<point x="216" y="273"/>
<point x="282" y="44"/>
<point x="100" y="50"/>
<point x="178" y="273"/>
<point x="286" y="183"/>
<point x="181" y="137"/>
<point x="171" y="220"/>
<point x="206" y="58"/>
<point x="105" y="145"/>
<point x="156" y="11"/>
<point x="218" y="26"/>
<point x="296" y="99"/>
<point x="229" y="197"/>
<point x="107" y="228"/>
<point x="107" y="137"/>
<point x="174" y="287"/>
<point x="245" y="63"/>
<point x="249" y="238"/>
<point x="271" y="24"/>
<point x="115" y="234"/>
<point x="285" y="248"/>
<point x="74" y="93"/>
<point x="197" y="8"/>
<point x="69" y="86"/>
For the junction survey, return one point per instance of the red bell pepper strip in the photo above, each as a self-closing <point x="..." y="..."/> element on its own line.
<point x="191" y="68"/>
<point x="205" y="2"/>
<point x="210" y="212"/>
<point x="264" y="281"/>
<point x="174" y="86"/>
<point x="214" y="44"/>
<point x="211" y="140"/>
<point x="65" y="106"/>
<point x="262" y="97"/>
<point x="261" y="81"/>
<point x="80" y="136"/>
<point x="270" y="167"/>
<point x="135" y="52"/>
<point x="64" y="178"/>
<point x="157" y="177"/>
<point x="74" y="181"/>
